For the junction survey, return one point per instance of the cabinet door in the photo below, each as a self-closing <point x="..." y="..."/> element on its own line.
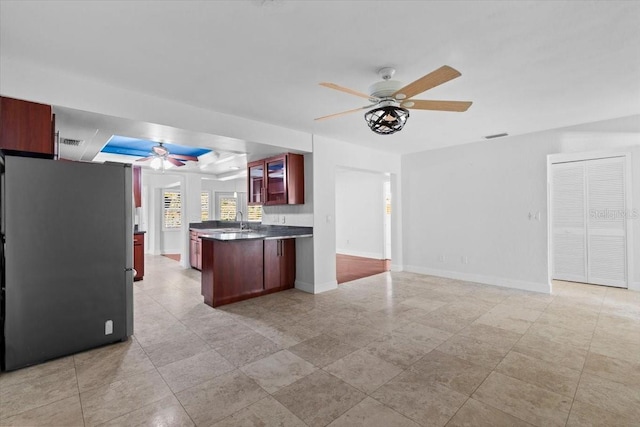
<point x="25" y="126"/>
<point x="279" y="263"/>
<point x="199" y="253"/>
<point x="287" y="263"/>
<point x="138" y="256"/>
<point x="193" y="253"/>
<point x="256" y="183"/>
<point x="276" y="181"/>
<point x="271" y="264"/>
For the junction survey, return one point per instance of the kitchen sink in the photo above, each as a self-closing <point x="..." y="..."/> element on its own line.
<point x="232" y="230"/>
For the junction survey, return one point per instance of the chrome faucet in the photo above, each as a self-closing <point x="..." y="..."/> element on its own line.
<point x="241" y="220"/>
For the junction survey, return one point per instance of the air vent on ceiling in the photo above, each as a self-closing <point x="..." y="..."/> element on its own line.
<point x="71" y="142"/>
<point x="497" y="135"/>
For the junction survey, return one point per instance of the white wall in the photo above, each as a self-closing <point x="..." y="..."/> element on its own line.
<point x="328" y="155"/>
<point x="474" y="201"/>
<point x="360" y="213"/>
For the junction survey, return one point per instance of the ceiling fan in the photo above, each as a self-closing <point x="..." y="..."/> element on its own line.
<point x="162" y="159"/>
<point x="391" y="100"/>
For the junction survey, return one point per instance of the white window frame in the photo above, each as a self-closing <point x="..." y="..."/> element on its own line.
<point x="165" y="209"/>
<point x="224" y="195"/>
<point x="208" y="211"/>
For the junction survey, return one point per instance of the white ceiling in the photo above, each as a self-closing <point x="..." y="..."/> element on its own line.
<point x="527" y="66"/>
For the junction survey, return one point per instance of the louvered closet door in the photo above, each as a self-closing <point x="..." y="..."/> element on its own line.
<point x="606" y="226"/>
<point x="568" y="216"/>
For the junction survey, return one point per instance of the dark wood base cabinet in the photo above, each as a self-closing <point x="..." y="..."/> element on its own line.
<point x="237" y="270"/>
<point x="279" y="263"/>
<point x="138" y="255"/>
<point x="195" y="250"/>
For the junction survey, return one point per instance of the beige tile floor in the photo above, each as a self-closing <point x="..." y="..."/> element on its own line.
<point x="396" y="349"/>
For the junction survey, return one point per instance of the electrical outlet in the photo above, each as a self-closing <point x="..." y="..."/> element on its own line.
<point x="441" y="258"/>
<point x="464" y="260"/>
<point x="108" y="327"/>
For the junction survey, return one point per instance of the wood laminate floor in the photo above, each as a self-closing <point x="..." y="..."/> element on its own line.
<point x="350" y="268"/>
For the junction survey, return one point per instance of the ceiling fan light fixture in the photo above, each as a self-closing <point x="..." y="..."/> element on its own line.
<point x="387" y="119"/>
<point x="160" y="163"/>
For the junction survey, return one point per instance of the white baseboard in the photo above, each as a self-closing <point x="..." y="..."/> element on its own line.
<point x="397" y="267"/>
<point x="374" y="255"/>
<point x="478" y="278"/>
<point x="304" y="286"/>
<point x="316" y="289"/>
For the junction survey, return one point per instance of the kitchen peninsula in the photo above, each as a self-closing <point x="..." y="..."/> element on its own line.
<point x="238" y="264"/>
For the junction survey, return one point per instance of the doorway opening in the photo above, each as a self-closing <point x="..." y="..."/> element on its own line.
<point x="363" y="224"/>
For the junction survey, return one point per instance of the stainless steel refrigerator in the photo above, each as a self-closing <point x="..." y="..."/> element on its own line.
<point x="67" y="257"/>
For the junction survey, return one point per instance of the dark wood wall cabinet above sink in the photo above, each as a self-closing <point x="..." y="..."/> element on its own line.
<point x="277" y="180"/>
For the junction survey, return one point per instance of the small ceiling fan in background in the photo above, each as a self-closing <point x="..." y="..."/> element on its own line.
<point x="391" y="100"/>
<point x="162" y="159"/>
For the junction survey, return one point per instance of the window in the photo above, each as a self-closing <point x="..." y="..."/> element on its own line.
<point x="205" y="204"/>
<point x="172" y="209"/>
<point x="254" y="213"/>
<point x="227" y="208"/>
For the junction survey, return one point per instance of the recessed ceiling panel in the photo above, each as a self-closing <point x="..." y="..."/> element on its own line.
<point x="126" y="146"/>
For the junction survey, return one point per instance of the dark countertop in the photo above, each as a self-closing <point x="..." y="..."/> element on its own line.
<point x="228" y="231"/>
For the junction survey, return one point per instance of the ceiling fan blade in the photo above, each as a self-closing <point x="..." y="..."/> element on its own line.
<point x="419" y="104"/>
<point x="184" y="157"/>
<point x="174" y="161"/>
<point x="144" y="159"/>
<point x="345" y="89"/>
<point x="431" y="80"/>
<point x="330" y="116"/>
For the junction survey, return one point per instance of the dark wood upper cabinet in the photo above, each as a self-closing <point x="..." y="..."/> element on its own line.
<point x="26" y="126"/>
<point x="255" y="191"/>
<point x="277" y="180"/>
